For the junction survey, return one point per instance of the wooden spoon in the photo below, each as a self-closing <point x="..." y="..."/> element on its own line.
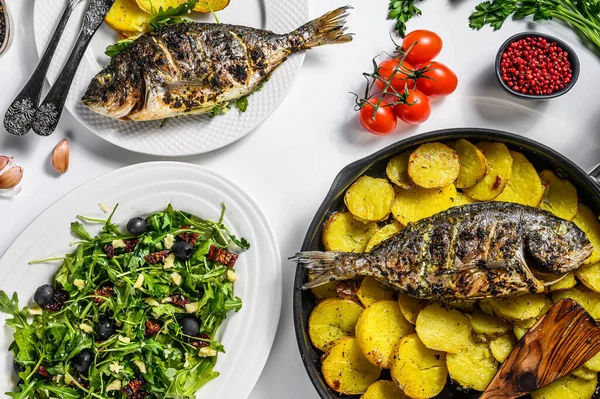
<point x="562" y="340"/>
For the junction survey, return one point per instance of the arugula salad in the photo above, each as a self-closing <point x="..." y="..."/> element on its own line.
<point x="129" y="314"/>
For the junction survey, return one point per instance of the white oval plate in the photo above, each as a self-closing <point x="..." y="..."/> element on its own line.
<point x="187" y="135"/>
<point x="139" y="190"/>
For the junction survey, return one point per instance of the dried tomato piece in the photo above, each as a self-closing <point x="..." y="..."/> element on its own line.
<point x="152" y="328"/>
<point x="196" y="343"/>
<point x="222" y="256"/>
<point x="42" y="371"/>
<point x="179" y="300"/>
<point x="141" y="394"/>
<point x="109" y="250"/>
<point x="58" y="300"/>
<point x="190" y="238"/>
<point x="134" y="386"/>
<point x="130" y="245"/>
<point x="105" y="292"/>
<point x="157" y="257"/>
<point x="85" y="384"/>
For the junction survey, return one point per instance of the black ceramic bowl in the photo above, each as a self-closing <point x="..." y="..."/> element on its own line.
<point x="541" y="156"/>
<point x="572" y="59"/>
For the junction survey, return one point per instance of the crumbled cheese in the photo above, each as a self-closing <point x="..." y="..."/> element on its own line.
<point x="79" y="283"/>
<point x="34" y="311"/>
<point x="166" y="300"/>
<point x="151" y="302"/>
<point x="57" y="378"/>
<point x="123" y="339"/>
<point x="115" y="367"/>
<point x="118" y="244"/>
<point x="167" y="352"/>
<point x="113" y="386"/>
<point x="169" y="241"/>
<point x="143" y="344"/>
<point x="176" y="277"/>
<point x="139" y="282"/>
<point x="140" y="365"/>
<point x="104" y="207"/>
<point x="169" y="261"/>
<point x="207" y="351"/>
<point x="231" y="276"/>
<point x="191" y="307"/>
<point x="86" y="328"/>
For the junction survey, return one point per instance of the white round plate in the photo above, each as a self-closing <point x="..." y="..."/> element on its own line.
<point x="139" y="190"/>
<point x="179" y="136"/>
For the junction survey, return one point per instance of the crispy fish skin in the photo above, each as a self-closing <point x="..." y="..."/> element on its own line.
<point x="191" y="68"/>
<point x="475" y="251"/>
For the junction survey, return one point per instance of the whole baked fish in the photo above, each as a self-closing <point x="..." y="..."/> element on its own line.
<point x="195" y="68"/>
<point x="476" y="251"/>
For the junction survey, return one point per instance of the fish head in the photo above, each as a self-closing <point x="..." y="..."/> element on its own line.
<point x="553" y="251"/>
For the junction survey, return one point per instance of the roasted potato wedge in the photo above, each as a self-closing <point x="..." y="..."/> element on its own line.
<point x="560" y="196"/>
<point x="587" y="298"/>
<point x="418" y="203"/>
<point x="502" y="346"/>
<point x="327" y="290"/>
<point x="587" y="221"/>
<point x="433" y="165"/>
<point x="370" y="198"/>
<point x="486" y="324"/>
<point x="584" y="373"/>
<point x="420" y="372"/>
<point x="520" y="307"/>
<point x="383" y="389"/>
<point x="473" y="367"/>
<point x="378" y="331"/>
<point x="499" y="170"/>
<point x="410" y="307"/>
<point x="126" y="16"/>
<point x="463" y="199"/>
<point x="346" y="370"/>
<point x="372" y="291"/>
<point x="383" y="234"/>
<point x="443" y="329"/>
<point x="344" y="233"/>
<point x="594" y="363"/>
<point x="589" y="275"/>
<point x="152" y="6"/>
<point x="332" y="319"/>
<point x="568" y="281"/>
<point x="567" y="387"/>
<point x="524" y="185"/>
<point x="473" y="165"/>
<point x="397" y="171"/>
<point x="210" y="5"/>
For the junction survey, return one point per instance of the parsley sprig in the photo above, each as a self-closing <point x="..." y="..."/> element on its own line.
<point x="402" y="11"/>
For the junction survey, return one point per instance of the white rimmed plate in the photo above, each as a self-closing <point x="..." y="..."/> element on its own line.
<point x="186" y="135"/>
<point x="139" y="190"/>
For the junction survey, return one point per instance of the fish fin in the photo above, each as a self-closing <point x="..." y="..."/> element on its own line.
<point x="327" y="266"/>
<point x="327" y="29"/>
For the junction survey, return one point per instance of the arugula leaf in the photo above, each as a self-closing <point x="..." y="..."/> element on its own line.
<point x="402" y="11"/>
<point x="116" y="48"/>
<point x="78" y="230"/>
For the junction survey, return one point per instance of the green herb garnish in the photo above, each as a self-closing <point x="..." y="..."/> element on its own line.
<point x="402" y="11"/>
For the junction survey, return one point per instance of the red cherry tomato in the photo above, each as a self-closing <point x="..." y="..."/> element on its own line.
<point x="442" y="81"/>
<point x="385" y="120"/>
<point x="428" y="46"/>
<point x="387" y="67"/>
<point x="416" y="111"/>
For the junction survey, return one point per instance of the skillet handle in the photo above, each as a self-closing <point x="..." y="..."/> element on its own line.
<point x="595" y="173"/>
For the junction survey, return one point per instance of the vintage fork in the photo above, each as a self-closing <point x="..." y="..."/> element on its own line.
<point x="19" y="116"/>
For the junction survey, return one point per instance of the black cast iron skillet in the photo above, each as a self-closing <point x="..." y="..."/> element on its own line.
<point x="539" y="155"/>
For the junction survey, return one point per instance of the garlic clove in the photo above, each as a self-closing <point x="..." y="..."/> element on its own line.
<point x="60" y="157"/>
<point x="11" y="177"/>
<point x="4" y="161"/>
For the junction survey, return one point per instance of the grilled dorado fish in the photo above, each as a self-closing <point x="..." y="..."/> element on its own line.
<point x="192" y="68"/>
<point x="475" y="251"/>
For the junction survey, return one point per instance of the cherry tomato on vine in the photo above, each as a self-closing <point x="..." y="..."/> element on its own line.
<point x="428" y="46"/>
<point x="386" y="69"/>
<point x="417" y="109"/>
<point x="442" y="81"/>
<point x="385" y="120"/>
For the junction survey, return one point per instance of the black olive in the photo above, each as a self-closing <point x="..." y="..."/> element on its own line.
<point x="137" y="226"/>
<point x="83" y="360"/>
<point x="44" y="294"/>
<point x="183" y="250"/>
<point x="190" y="325"/>
<point x="105" y="328"/>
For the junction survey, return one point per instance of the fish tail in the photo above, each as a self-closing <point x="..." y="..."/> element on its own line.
<point x="328" y="29"/>
<point x="327" y="266"/>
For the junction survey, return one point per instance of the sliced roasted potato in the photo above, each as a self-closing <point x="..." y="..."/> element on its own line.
<point x="420" y="372"/>
<point x="370" y="198"/>
<point x="433" y="165"/>
<point x="443" y="329"/>
<point x="344" y="233"/>
<point x="589" y="275"/>
<point x="327" y="290"/>
<point x="502" y="346"/>
<point x="520" y="307"/>
<point x="486" y="324"/>
<point x="499" y="170"/>
<point x="383" y="389"/>
<point x="418" y="203"/>
<point x="152" y="6"/>
<point x="372" y="291"/>
<point x="584" y="373"/>
<point x="463" y="199"/>
<point x="560" y="196"/>
<point x="378" y="331"/>
<point x="383" y="234"/>
<point x="520" y="331"/>
<point x="332" y="319"/>
<point x="587" y="298"/>
<point x="567" y="387"/>
<point x="473" y="367"/>
<point x="587" y="221"/>
<point x="410" y="307"/>
<point x="594" y="363"/>
<point x="524" y="185"/>
<point x="568" y="281"/>
<point x="463" y="306"/>
<point x="473" y="165"/>
<point x="126" y="16"/>
<point x="397" y="171"/>
<point x="346" y="370"/>
<point x="485" y="307"/>
<point x="211" y="5"/>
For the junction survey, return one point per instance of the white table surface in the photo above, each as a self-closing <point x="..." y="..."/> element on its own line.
<point x="288" y="163"/>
